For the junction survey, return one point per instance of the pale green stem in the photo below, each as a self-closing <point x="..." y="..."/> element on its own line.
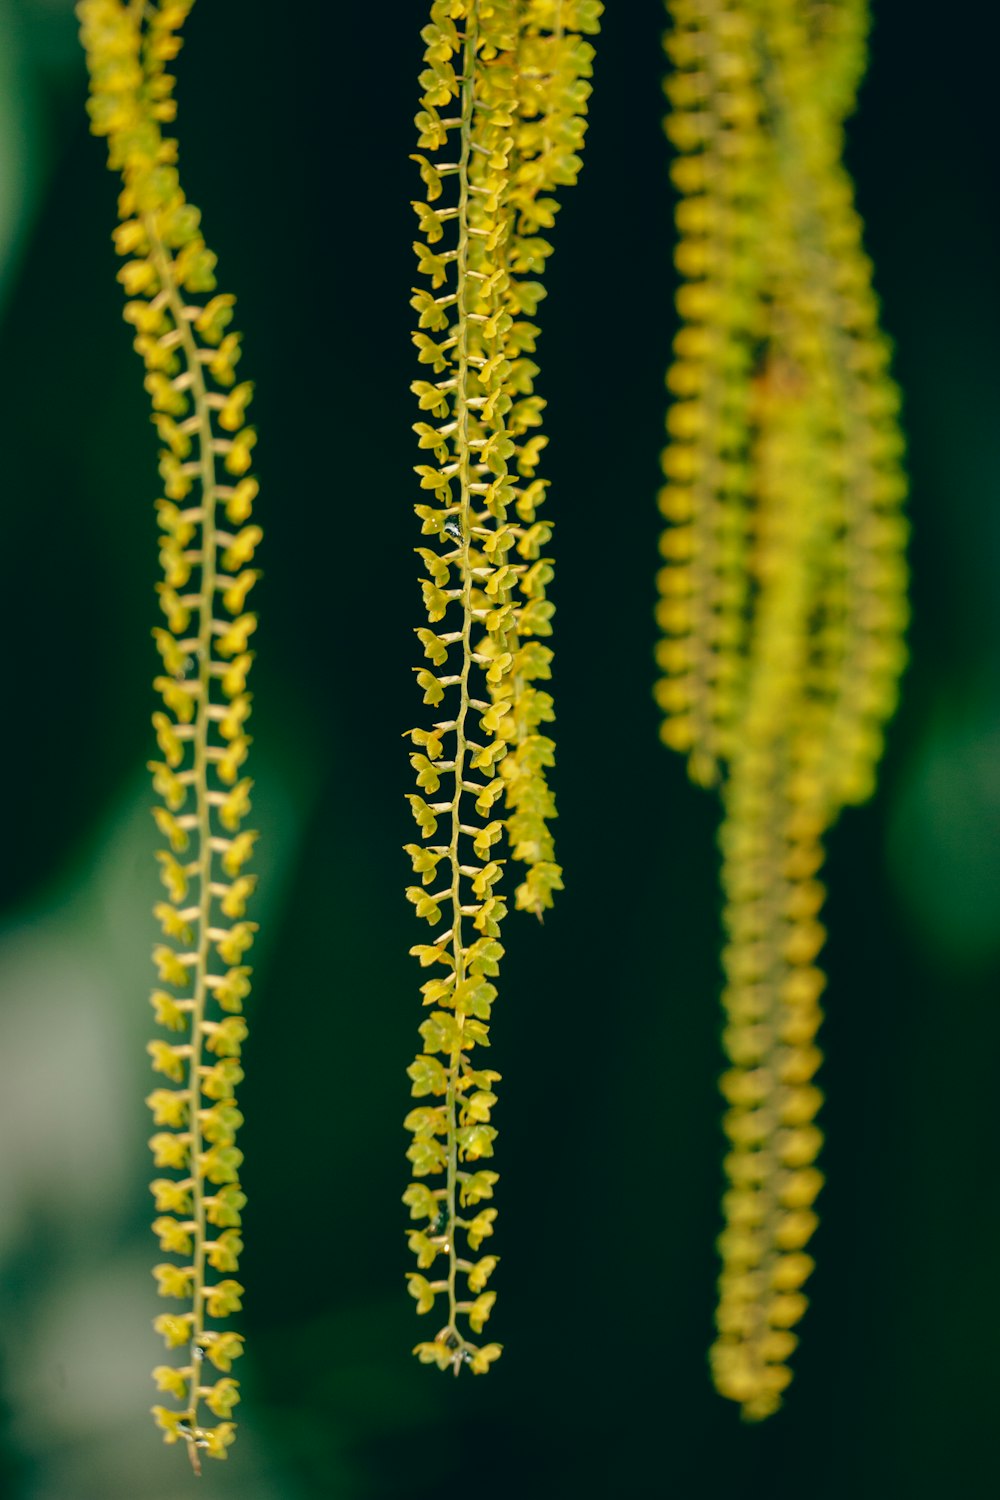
<point x="164" y="270"/>
<point x="464" y="478"/>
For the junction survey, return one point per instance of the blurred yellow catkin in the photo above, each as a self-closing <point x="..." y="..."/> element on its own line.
<point x="783" y="590"/>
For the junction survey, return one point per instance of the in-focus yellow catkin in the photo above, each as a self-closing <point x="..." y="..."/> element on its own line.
<point x="501" y="123"/>
<point x="207" y="548"/>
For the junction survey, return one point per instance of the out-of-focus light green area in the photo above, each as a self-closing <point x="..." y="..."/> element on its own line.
<point x="944" y="835"/>
<point x="38" y="51"/>
<point x="19" y="128"/>
<point x="75" y="1296"/>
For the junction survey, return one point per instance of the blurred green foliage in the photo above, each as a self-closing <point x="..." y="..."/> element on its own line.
<point x="296" y="130"/>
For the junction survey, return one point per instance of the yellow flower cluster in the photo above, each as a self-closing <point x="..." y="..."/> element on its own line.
<point x="208" y="542"/>
<point x="503" y="92"/>
<point x="783" y="595"/>
<point x="553" y="65"/>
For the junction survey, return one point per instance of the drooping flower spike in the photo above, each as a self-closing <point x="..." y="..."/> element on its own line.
<point x="504" y="93"/>
<point x="208" y="542"/>
<point x="783" y="595"/>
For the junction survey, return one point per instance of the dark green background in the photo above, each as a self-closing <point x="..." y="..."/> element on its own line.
<point x="295" y="127"/>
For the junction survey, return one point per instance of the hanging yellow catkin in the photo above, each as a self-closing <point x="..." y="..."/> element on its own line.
<point x="553" y="65"/>
<point x="783" y="598"/>
<point x="716" y="126"/>
<point x="207" y="548"/>
<point x="501" y="116"/>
